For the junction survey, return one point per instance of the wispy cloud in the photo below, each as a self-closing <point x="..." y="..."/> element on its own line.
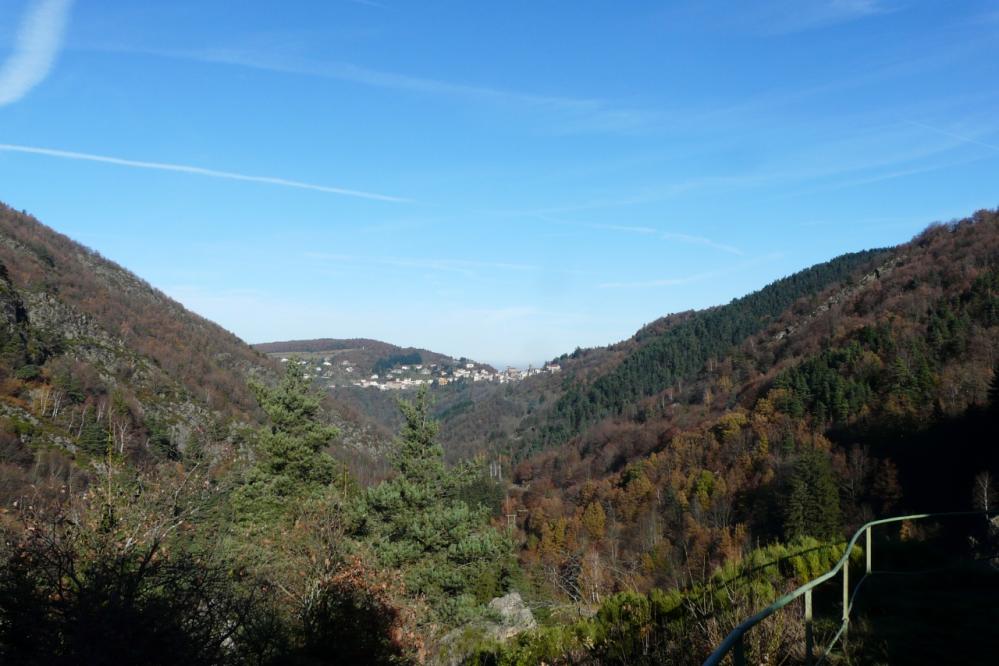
<point x="954" y="135"/>
<point x="576" y="114"/>
<point x="646" y="195"/>
<point x="697" y="277"/>
<point x="666" y="282"/>
<point x="880" y="177"/>
<point x="775" y="17"/>
<point x="36" y="46"/>
<point x="884" y="220"/>
<point x="789" y="16"/>
<point x="502" y="315"/>
<point x="669" y="236"/>
<point x="878" y="152"/>
<point x="644" y="231"/>
<point x="466" y="267"/>
<point x="197" y="171"/>
<point x="700" y="240"/>
<point x="353" y="73"/>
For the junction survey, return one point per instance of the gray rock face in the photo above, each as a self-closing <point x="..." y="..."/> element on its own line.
<point x="515" y="616"/>
<point x="13" y="315"/>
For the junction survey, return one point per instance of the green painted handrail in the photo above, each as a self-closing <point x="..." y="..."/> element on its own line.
<point x="733" y="643"/>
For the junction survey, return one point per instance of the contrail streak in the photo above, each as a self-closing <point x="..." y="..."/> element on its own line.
<point x="36" y="46"/>
<point x="954" y="135"/>
<point x="197" y="171"/>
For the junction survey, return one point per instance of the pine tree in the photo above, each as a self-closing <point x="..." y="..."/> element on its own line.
<point x="418" y="522"/>
<point x="594" y="521"/>
<point x="419" y="458"/>
<point x="290" y="463"/>
<point x="811" y="499"/>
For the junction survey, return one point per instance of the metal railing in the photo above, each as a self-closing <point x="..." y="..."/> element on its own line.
<point x="733" y="643"/>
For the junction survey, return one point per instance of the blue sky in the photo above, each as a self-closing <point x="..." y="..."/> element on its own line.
<point x="504" y="181"/>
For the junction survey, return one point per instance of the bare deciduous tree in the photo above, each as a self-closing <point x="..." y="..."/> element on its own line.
<point x="984" y="492"/>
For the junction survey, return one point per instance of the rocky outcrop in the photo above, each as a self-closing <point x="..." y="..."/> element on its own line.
<point x="510" y="616"/>
<point x="515" y="617"/>
<point x="12" y="311"/>
<point x="842" y="295"/>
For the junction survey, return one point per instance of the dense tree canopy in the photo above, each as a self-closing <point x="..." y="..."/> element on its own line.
<point x="420" y="523"/>
<point x="681" y="350"/>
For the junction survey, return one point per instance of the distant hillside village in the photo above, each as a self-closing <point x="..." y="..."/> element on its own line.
<point x="342" y="373"/>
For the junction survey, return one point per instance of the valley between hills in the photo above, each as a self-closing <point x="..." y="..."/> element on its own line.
<point x="171" y="493"/>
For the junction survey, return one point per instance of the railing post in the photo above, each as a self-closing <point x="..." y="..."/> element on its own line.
<point x="868" y="550"/>
<point x="846" y="597"/>
<point x="809" y="638"/>
<point x="739" y="653"/>
<point x="734" y="644"/>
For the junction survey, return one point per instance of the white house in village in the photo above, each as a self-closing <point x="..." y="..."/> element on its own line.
<point x="405" y="377"/>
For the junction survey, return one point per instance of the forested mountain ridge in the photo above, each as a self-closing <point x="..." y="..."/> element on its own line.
<point x="90" y="349"/>
<point x="682" y="350"/>
<point x="845" y="393"/>
<point x="604" y="382"/>
<point x="875" y="394"/>
<point x="49" y="267"/>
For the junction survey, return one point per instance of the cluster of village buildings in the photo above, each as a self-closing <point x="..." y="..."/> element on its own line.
<point x="345" y="373"/>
